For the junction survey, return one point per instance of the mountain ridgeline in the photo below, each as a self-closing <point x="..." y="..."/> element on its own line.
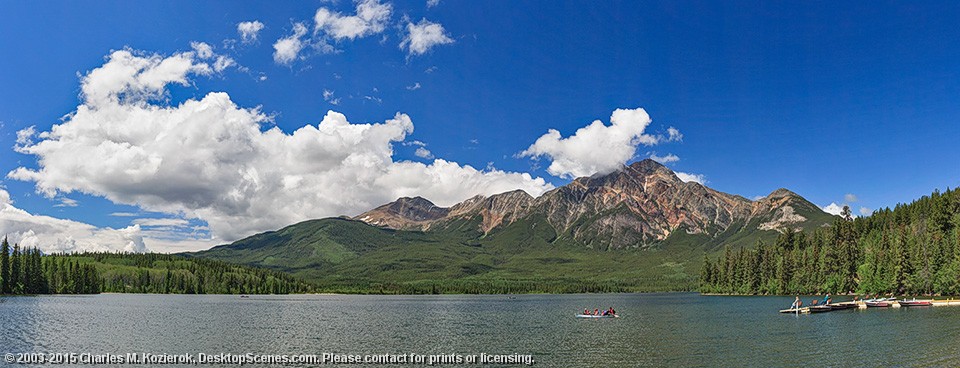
<point x="640" y="228"/>
<point x="640" y="206"/>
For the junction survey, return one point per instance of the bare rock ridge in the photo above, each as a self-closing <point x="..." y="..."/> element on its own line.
<point x="640" y="204"/>
<point x="404" y="213"/>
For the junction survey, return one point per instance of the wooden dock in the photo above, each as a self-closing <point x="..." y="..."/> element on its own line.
<point x="860" y="304"/>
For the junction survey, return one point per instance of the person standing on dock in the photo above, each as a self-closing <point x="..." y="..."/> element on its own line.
<point x="796" y="303"/>
<point x="826" y="299"/>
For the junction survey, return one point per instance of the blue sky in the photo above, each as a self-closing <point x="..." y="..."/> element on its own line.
<point x="842" y="103"/>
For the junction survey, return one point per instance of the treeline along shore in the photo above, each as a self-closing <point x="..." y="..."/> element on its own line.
<point x="29" y="272"/>
<point x="913" y="249"/>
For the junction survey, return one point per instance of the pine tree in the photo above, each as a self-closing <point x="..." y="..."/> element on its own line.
<point x="706" y="274"/>
<point x="26" y="255"/>
<point x="52" y="273"/>
<point x="41" y="283"/>
<point x="16" y="281"/>
<point x="5" y="267"/>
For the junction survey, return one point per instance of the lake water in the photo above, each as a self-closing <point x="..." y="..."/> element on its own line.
<point x="675" y="329"/>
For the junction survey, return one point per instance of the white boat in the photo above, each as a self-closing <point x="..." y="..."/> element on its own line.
<point x="596" y="316"/>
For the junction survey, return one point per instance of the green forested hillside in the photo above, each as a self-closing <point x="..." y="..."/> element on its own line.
<point x="911" y="249"/>
<point x="343" y="255"/>
<point x="29" y="272"/>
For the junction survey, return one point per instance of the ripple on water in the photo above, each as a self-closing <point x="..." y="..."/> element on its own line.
<point x="655" y="329"/>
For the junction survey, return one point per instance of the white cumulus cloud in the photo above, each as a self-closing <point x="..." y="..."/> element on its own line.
<point x="138" y="77"/>
<point x="328" y="96"/>
<point x="203" y="50"/>
<point x="210" y="159"/>
<point x="423" y="36"/>
<point x="371" y="18"/>
<point x="249" y="31"/>
<point x="67" y="202"/>
<point x="696" y="178"/>
<point x="52" y="235"/>
<point x="286" y="49"/>
<point x="674" y="135"/>
<point x="668" y="158"/>
<point x="25" y="135"/>
<point x="161" y="222"/>
<point x="849" y="197"/>
<point x="222" y="63"/>
<point x="595" y="148"/>
<point x="423" y="153"/>
<point x="833" y="209"/>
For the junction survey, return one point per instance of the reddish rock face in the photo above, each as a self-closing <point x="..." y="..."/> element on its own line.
<point x="639" y="204"/>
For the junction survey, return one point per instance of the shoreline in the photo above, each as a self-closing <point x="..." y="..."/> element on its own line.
<point x="371" y="294"/>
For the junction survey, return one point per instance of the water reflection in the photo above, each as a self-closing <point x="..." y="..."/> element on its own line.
<point x="655" y="329"/>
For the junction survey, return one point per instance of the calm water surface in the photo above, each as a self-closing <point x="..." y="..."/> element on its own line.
<point x="681" y="329"/>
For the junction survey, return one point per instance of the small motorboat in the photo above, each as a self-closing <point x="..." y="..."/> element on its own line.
<point x="839" y="306"/>
<point x="820" y="308"/>
<point x="596" y="316"/>
<point x="877" y="303"/>
<point x="915" y="303"/>
<point x="796" y="310"/>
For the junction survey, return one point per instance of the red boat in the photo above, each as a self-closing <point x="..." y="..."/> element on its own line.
<point x="915" y="303"/>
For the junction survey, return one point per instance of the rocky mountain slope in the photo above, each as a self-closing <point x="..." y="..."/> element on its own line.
<point x="638" y="206"/>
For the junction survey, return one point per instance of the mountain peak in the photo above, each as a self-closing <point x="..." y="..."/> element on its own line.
<point x="647" y="165"/>
<point x="403" y="210"/>
<point x="416" y="201"/>
<point x="782" y="192"/>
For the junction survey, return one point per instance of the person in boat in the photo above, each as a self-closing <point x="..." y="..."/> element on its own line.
<point x="796" y="303"/>
<point x="611" y="312"/>
<point x="596" y="311"/>
<point x="586" y="312"/>
<point x="826" y="299"/>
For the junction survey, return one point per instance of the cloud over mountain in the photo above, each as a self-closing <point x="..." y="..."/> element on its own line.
<point x="596" y="148"/>
<point x="210" y="159"/>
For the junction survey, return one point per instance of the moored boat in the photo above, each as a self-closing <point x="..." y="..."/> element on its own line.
<point x="915" y="303"/>
<point x="847" y="305"/>
<point x="877" y="304"/>
<point x="820" y="308"/>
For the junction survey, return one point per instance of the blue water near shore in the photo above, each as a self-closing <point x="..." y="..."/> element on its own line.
<point x="673" y="329"/>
